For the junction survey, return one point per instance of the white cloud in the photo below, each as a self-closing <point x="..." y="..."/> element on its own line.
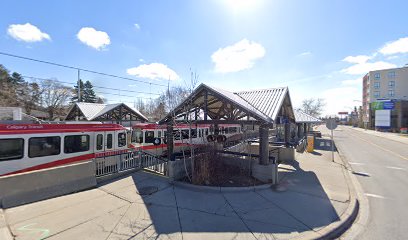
<point x="141" y="60"/>
<point x="357" y="59"/>
<point x="305" y="54"/>
<point x="398" y="46"/>
<point x="352" y="82"/>
<point x="27" y="33"/>
<point x="240" y="56"/>
<point x="155" y="71"/>
<point x="365" y="67"/>
<point x="341" y="99"/>
<point x="93" y="38"/>
<point x="137" y="26"/>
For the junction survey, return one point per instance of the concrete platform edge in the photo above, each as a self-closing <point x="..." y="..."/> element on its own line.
<point x="5" y="233"/>
<point x="219" y="189"/>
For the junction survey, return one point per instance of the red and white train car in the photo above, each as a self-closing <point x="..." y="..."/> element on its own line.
<point x="28" y="147"/>
<point x="144" y="136"/>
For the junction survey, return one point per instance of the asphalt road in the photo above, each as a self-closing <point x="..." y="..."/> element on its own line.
<point x="381" y="166"/>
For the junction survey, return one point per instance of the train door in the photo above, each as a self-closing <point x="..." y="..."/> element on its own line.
<point x="121" y="138"/>
<point x="100" y="141"/>
<point x="109" y="141"/>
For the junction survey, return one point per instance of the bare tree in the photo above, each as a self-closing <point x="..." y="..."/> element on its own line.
<point x="54" y="97"/>
<point x="313" y="106"/>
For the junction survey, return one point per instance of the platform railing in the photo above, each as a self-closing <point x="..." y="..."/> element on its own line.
<point x="153" y="163"/>
<point x="133" y="159"/>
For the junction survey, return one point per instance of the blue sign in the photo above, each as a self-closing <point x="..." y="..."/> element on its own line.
<point x="388" y="105"/>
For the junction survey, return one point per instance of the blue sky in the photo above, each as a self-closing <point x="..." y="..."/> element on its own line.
<point x="317" y="48"/>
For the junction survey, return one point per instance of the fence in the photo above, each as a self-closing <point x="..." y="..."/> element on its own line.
<point x="107" y="165"/>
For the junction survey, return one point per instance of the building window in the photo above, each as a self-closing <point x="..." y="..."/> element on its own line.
<point x="391" y="74"/>
<point x="44" y="146"/>
<point x="377" y="85"/>
<point x="121" y="139"/>
<point x="11" y="149"/>
<point x="391" y="84"/>
<point x="391" y="93"/>
<point x="377" y="76"/>
<point x="376" y="94"/>
<point x="76" y="143"/>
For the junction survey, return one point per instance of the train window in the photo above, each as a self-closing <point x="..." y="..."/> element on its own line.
<point x="99" y="142"/>
<point x="200" y="133"/>
<point x="193" y="133"/>
<point x="76" y="143"/>
<point x="184" y="133"/>
<point x="137" y="136"/>
<point x="44" y="146"/>
<point x="121" y="139"/>
<point x="109" y="141"/>
<point x="226" y="130"/>
<point x="232" y="130"/>
<point x="206" y="131"/>
<point x="159" y="134"/>
<point x="149" y="137"/>
<point x="11" y="149"/>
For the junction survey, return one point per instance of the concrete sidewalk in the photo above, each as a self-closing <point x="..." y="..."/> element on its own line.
<point x="399" y="137"/>
<point x="312" y="200"/>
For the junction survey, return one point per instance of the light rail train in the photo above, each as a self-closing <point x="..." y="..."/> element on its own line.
<point x="29" y="147"/>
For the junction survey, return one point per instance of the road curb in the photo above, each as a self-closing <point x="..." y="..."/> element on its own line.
<point x="337" y="229"/>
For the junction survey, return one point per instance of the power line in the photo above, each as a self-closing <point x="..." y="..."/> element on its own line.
<point x="126" y="90"/>
<point x="80" y="69"/>
<point x="117" y="94"/>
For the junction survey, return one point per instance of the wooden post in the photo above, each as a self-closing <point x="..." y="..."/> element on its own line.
<point x="287" y="132"/>
<point x="299" y="130"/>
<point x="263" y="145"/>
<point x="304" y="129"/>
<point x="205" y="105"/>
<point x="170" y="146"/>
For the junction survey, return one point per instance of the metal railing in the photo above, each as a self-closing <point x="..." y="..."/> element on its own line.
<point x="106" y="165"/>
<point x="153" y="163"/>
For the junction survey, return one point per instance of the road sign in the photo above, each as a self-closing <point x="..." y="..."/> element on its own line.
<point x="331" y="123"/>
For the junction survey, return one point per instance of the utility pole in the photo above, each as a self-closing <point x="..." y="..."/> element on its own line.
<point x="79" y="86"/>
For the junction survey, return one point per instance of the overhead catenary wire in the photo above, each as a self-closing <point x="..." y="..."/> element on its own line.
<point x="80" y="69"/>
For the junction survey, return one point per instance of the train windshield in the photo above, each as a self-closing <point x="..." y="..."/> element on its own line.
<point x="137" y="136"/>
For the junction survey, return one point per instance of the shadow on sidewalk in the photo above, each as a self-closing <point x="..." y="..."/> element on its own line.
<point x="309" y="199"/>
<point x="302" y="207"/>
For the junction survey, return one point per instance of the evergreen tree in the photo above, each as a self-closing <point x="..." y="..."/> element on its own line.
<point x="75" y="92"/>
<point x="16" y="79"/>
<point x="89" y="93"/>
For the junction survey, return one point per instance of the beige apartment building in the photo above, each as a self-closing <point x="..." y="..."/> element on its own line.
<point x="388" y="85"/>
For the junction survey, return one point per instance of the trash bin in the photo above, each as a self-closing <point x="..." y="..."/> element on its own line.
<point x="310" y="143"/>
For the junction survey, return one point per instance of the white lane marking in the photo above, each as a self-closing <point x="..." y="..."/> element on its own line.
<point x="356" y="163"/>
<point x="374" y="195"/>
<point x="378" y="146"/>
<point x="397" y="168"/>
